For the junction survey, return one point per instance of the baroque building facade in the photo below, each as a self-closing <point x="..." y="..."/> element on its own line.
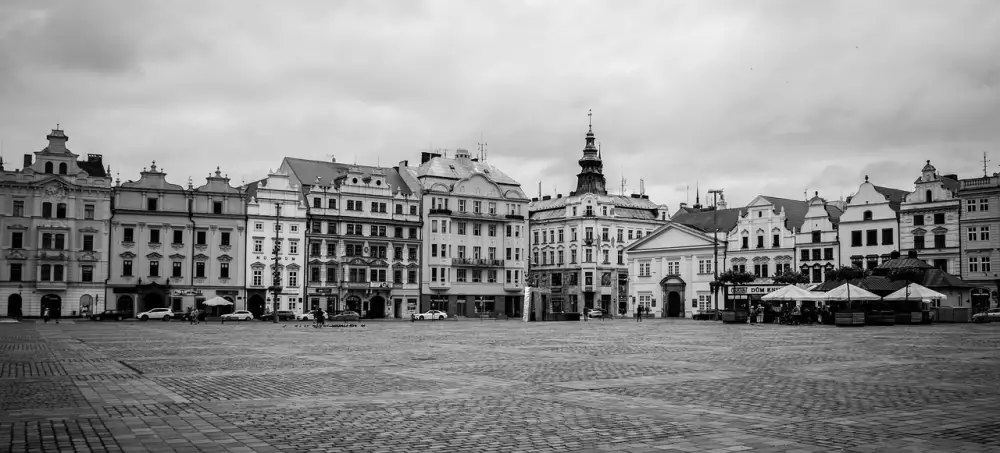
<point x="276" y="226"/>
<point x="763" y="241"/>
<point x="817" y="242"/>
<point x="869" y="226"/>
<point x="578" y="243"/>
<point x="929" y="220"/>
<point x="176" y="247"/>
<point x="54" y="232"/>
<point x="474" y="261"/>
<point x="363" y="237"/>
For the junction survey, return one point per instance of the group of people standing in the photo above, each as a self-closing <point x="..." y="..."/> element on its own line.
<point x="788" y="314"/>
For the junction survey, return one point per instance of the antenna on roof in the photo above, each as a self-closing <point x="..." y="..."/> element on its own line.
<point x="482" y="147"/>
<point x="539" y="189"/>
<point x="985" y="161"/>
<point x="642" y="187"/>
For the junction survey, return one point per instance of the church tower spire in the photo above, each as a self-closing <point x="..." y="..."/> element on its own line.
<point x="591" y="177"/>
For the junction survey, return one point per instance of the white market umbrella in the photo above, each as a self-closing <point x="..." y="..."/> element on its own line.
<point x="849" y="292"/>
<point x="790" y="293"/>
<point x="915" y="291"/>
<point x="215" y="301"/>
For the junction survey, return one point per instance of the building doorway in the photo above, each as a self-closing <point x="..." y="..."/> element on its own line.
<point x="606" y="303"/>
<point x="124" y="303"/>
<point x="54" y="303"/>
<point x="675" y="307"/>
<point x="397" y="309"/>
<point x="14" y="306"/>
<point x="151" y="301"/>
<point x="354" y="304"/>
<point x="980" y="299"/>
<point x="376" y="307"/>
<point x="256" y="305"/>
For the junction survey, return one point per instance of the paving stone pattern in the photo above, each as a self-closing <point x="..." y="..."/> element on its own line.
<point x="465" y="386"/>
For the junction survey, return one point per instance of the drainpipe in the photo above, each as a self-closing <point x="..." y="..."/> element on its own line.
<point x="194" y="234"/>
<point x="107" y="276"/>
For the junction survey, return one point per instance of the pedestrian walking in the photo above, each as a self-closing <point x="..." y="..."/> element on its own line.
<point x="193" y="317"/>
<point x="320" y="319"/>
<point x="796" y="315"/>
<point x="46" y="315"/>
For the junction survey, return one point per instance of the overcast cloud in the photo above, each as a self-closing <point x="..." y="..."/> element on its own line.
<point x="756" y="97"/>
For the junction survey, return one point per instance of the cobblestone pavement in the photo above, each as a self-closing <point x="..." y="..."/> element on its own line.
<point x="463" y="386"/>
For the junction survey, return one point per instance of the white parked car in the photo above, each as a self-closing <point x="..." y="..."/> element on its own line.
<point x="594" y="313"/>
<point x="238" y="315"/>
<point x="308" y="316"/>
<point x="157" y="313"/>
<point x="432" y="314"/>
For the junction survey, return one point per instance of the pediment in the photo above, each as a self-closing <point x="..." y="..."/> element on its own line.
<point x="127" y="255"/>
<point x="225" y="258"/>
<point x="201" y="256"/>
<point x="16" y="226"/>
<point x="672" y="280"/>
<point x="673" y="236"/>
<point x="294" y="267"/>
<point x="154" y="256"/>
<point x="919" y="231"/>
<point x="258" y="265"/>
<point x="88" y="230"/>
<point x="357" y="262"/>
<point x="176" y="256"/>
<point x="939" y="230"/>
<point x="379" y="263"/>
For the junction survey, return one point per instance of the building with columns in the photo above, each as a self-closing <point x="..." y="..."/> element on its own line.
<point x="363" y="237"/>
<point x="979" y="223"/>
<point x="817" y="242"/>
<point x="176" y="247"/>
<point x="869" y="226"/>
<point x="474" y="260"/>
<point x="276" y="225"/>
<point x="929" y="220"/>
<point x="54" y="232"/>
<point x="578" y="242"/>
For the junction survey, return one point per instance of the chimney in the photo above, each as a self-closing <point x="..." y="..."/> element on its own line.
<point x="96" y="158"/>
<point x="27" y="160"/>
<point x="534" y="199"/>
<point x="911" y="254"/>
<point x="547" y="197"/>
<point x="558" y="195"/>
<point x="635" y="195"/>
<point x="955" y="177"/>
<point x="645" y="197"/>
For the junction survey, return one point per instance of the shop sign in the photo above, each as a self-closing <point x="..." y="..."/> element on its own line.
<point x="188" y="292"/>
<point x="220" y="292"/>
<point x="412" y="306"/>
<point x="753" y="289"/>
<point x="323" y="290"/>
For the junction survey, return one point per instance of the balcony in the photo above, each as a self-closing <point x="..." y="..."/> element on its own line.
<point x="53" y="255"/>
<point x="440" y="211"/>
<point x="440" y="285"/>
<point x="516" y="286"/>
<point x="515" y="217"/>
<point x="51" y="286"/>
<point x="477" y="262"/>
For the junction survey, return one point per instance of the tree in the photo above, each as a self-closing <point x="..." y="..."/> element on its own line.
<point x="735" y="277"/>
<point x="846" y="273"/>
<point x="791" y="278"/>
<point x="910" y="274"/>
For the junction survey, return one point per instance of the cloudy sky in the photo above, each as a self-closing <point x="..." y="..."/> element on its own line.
<point x="756" y="97"/>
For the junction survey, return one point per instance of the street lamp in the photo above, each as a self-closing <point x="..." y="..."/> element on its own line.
<point x="715" y="246"/>
<point x="275" y="287"/>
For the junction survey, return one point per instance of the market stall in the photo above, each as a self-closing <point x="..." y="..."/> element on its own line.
<point x="909" y="306"/>
<point x="849" y="303"/>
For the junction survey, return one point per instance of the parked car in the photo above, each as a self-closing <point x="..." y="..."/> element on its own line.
<point x="283" y="315"/>
<point x="117" y="315"/>
<point x="991" y="315"/>
<point x="594" y="313"/>
<point x="163" y="314"/>
<point x="346" y="316"/>
<point x="432" y="314"/>
<point x="309" y="316"/>
<point x="239" y="315"/>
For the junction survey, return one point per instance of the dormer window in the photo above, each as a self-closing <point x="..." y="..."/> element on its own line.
<point x="867" y="215"/>
<point x="151" y="204"/>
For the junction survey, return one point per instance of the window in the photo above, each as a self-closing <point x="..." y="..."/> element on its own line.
<point x="331" y="227"/>
<point x="61" y="211"/>
<point x="331" y="203"/>
<point x="561" y="238"/>
<point x="178" y="236"/>
<point x="745" y="244"/>
<point x="984" y="233"/>
<point x="225" y="237"/>
<point x="293" y="277"/>
<point x="258" y="226"/>
<point x="493" y="208"/>
<point x="888" y="235"/>
<point x="704" y="266"/>
<point x="317" y="202"/>
<point x="805" y="256"/>
<point x="201" y="238"/>
<point x="817" y="275"/>
<point x="985" y="263"/>
<point x="88" y="212"/>
<point x="47" y="210"/>
<point x="399" y="209"/>
<point x="258" y="277"/>
<point x="590" y="255"/>
<point x="484" y="304"/>
<point x="871" y="237"/>
<point x="17" y="240"/>
<point x="673" y="268"/>
<point x="314" y="274"/>
<point x="177" y="266"/>
<point x="973" y="264"/>
<point x="644" y="269"/>
<point x="46" y="272"/>
<point x="154" y="236"/>
<point x="621" y="257"/>
<point x="604" y="234"/>
<point x="816" y="236"/>
<point x="126" y="268"/>
<point x="918" y="220"/>
<point x="816" y="254"/>
<point x="331" y="274"/>
<point x="939" y="241"/>
<point x="491" y="230"/>
<point x="19" y="208"/>
<point x="776" y="240"/>
<point x="217" y="207"/>
<point x="151" y="204"/>
<point x="939" y="218"/>
<point x="60" y="242"/>
<point x="199" y="269"/>
<point x="154" y="268"/>
<point x="508" y="230"/>
<point x="704" y="302"/>
<point x="477" y="207"/>
<point x="46" y="241"/>
<point x="88" y="242"/>
<point x="828" y="253"/>
<point x="760" y="270"/>
<point x="867" y="215"/>
<point x="984" y="204"/>
<point x="15" y="272"/>
<point x="477" y="229"/>
<point x="970" y="205"/>
<point x="607" y="257"/>
<point x="413" y="210"/>
<point x="258" y="245"/>
<point x="572" y="256"/>
<point x="760" y="241"/>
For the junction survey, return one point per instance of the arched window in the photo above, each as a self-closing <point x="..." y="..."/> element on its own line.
<point x="867" y="215"/>
<point x="48" y="167"/>
<point x="928" y="196"/>
<point x="62" y="168"/>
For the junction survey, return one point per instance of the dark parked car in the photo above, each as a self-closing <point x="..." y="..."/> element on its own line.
<point x="117" y="315"/>
<point x="283" y="315"/>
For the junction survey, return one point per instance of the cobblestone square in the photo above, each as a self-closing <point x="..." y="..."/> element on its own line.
<point x="498" y="386"/>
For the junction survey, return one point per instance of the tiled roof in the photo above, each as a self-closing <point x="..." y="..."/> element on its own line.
<point x="937" y="278"/>
<point x="834" y="213"/>
<point x="711" y="220"/>
<point x="878" y="285"/>
<point x="619" y="201"/>
<point x="795" y="210"/>
<point x="951" y="184"/>
<point x="895" y="196"/>
<point x="308" y="170"/>
<point x="443" y="167"/>
<point x="95" y="169"/>
<point x="904" y="263"/>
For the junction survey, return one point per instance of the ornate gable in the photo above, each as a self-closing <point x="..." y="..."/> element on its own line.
<point x="225" y="258"/>
<point x="128" y="255"/>
<point x="154" y="256"/>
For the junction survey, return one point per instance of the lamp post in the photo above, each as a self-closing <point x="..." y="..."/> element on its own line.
<point x="715" y="246"/>
<point x="275" y="287"/>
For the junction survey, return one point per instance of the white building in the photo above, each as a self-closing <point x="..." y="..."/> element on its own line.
<point x="817" y="243"/>
<point x="929" y="220"/>
<point x="276" y="215"/>
<point x="869" y="226"/>
<point x="763" y="240"/>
